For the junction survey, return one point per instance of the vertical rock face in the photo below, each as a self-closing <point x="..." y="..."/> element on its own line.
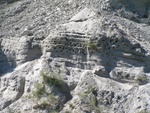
<point x="74" y="56"/>
<point x="12" y="88"/>
<point x="18" y="50"/>
<point x="136" y="10"/>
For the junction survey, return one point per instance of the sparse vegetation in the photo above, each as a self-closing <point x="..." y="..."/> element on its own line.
<point x="99" y="109"/>
<point x="93" y="102"/>
<point x="11" y="110"/>
<point x="92" y="46"/>
<point x="84" y="94"/>
<point x="71" y="106"/>
<point x="53" y="111"/>
<point x="89" y="90"/>
<point x="68" y="111"/>
<point x="44" y="99"/>
<point x="52" y="79"/>
<point x="39" y="90"/>
<point x="143" y="111"/>
<point x="49" y="102"/>
<point x="141" y="78"/>
<point x="42" y="105"/>
<point x="90" y="98"/>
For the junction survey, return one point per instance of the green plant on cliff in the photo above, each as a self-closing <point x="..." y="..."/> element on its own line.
<point x="89" y="89"/>
<point x="11" y="110"/>
<point x="91" y="45"/>
<point x="141" y="78"/>
<point x="48" y="103"/>
<point x="39" y="90"/>
<point x="90" y="99"/>
<point x="47" y="80"/>
<point x="43" y="98"/>
<point x="52" y="79"/>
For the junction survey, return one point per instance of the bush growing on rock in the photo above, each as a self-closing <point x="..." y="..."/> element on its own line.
<point x="46" y="100"/>
<point x="52" y="79"/>
<point x="141" y="79"/>
<point x="90" y="99"/>
<point x="39" y="90"/>
<point x="92" y="46"/>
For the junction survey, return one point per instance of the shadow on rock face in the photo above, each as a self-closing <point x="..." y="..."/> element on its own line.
<point x="119" y="51"/>
<point x="106" y="51"/>
<point x="131" y="9"/>
<point x="6" y="63"/>
<point x="17" y="53"/>
<point x="7" y="1"/>
<point x="122" y="59"/>
<point x="33" y="52"/>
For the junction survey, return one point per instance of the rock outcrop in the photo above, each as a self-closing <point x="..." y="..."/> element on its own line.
<point x="75" y="56"/>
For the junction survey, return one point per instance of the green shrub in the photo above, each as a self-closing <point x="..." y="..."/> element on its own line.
<point x="47" y="80"/>
<point x="90" y="99"/>
<point x="93" y="102"/>
<point x="11" y="110"/>
<point x="71" y="106"/>
<point x="92" y="46"/>
<point x="42" y="105"/>
<point x="49" y="101"/>
<point x="84" y="95"/>
<point x="54" y="111"/>
<point x="141" y="78"/>
<point x="67" y="111"/>
<point x="89" y="89"/>
<point x="39" y="90"/>
<point x="52" y="79"/>
<point x="52" y="99"/>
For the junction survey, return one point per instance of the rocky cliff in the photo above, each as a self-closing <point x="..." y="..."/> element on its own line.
<point x="74" y="56"/>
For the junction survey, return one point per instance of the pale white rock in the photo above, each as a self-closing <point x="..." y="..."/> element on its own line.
<point x="85" y="14"/>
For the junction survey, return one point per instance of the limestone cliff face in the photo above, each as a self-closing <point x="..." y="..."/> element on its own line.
<point x="73" y="56"/>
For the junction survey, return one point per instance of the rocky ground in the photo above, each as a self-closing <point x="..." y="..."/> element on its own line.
<point x="74" y="56"/>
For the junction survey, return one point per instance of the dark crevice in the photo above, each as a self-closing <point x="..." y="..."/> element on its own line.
<point x="7" y="1"/>
<point x="6" y="62"/>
